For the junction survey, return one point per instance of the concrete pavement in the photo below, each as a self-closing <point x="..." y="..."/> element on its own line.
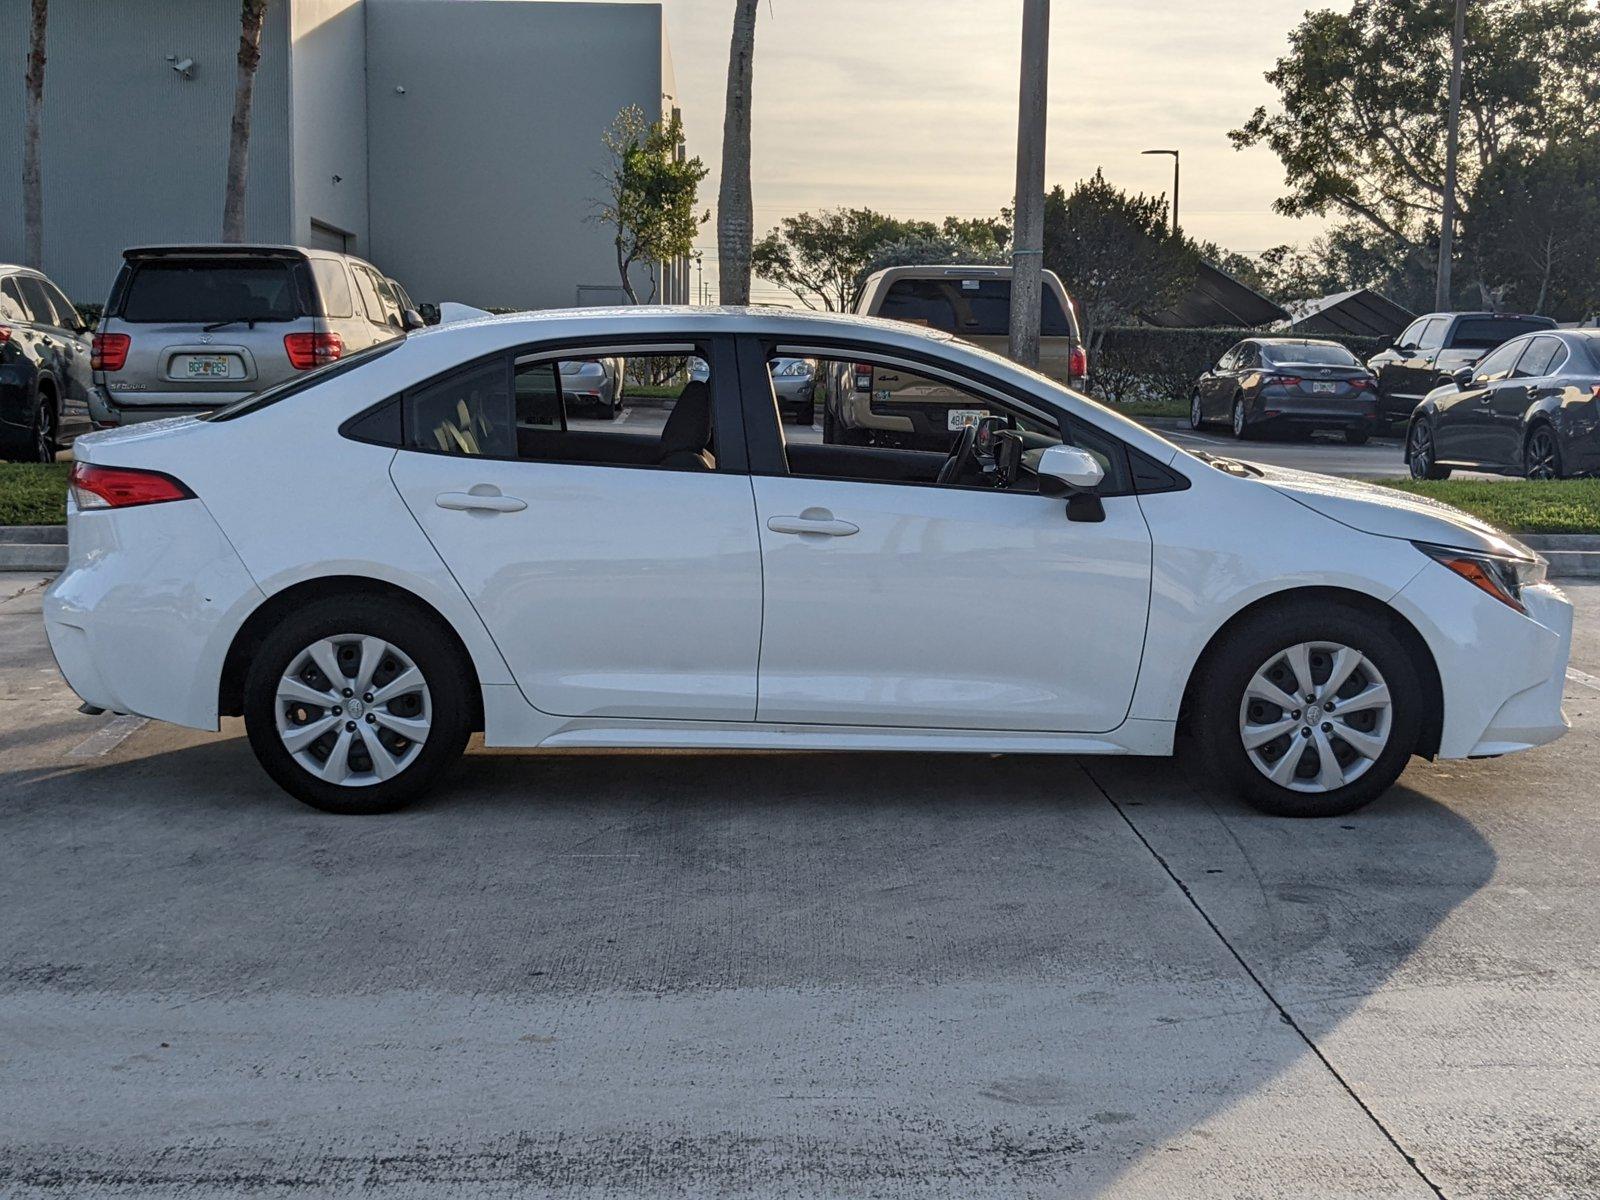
<point x="785" y="975"/>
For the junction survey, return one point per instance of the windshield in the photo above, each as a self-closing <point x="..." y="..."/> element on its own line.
<point x="299" y="383"/>
<point x="1315" y="353"/>
<point x="208" y="290"/>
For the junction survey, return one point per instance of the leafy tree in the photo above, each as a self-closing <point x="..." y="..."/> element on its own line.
<point x="32" y="173"/>
<point x="924" y="249"/>
<point x="822" y="257"/>
<point x="989" y="236"/>
<point x="252" y="15"/>
<point x="1115" y="252"/>
<point x="735" y="211"/>
<point x="651" y="194"/>
<point x="1361" y="128"/>
<point x="1534" y="232"/>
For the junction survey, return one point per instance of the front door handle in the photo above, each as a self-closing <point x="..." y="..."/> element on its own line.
<point x="482" y="498"/>
<point x="815" y="521"/>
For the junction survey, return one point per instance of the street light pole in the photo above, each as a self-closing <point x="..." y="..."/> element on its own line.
<point x="1452" y="143"/>
<point x="1174" y="154"/>
<point x="1027" y="248"/>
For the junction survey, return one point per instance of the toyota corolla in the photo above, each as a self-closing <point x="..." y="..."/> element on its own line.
<point x="376" y="559"/>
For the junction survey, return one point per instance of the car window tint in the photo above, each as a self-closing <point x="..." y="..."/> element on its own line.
<point x="369" y="295"/>
<point x="205" y="291"/>
<point x="1540" y="356"/>
<point x="967" y="307"/>
<point x="66" y="311"/>
<point x="1432" y="335"/>
<point x="333" y="285"/>
<point x="35" y="302"/>
<point x="11" y="306"/>
<point x="1314" y="353"/>
<point x="391" y="303"/>
<point x="467" y="412"/>
<point x="1498" y="365"/>
<point x="1480" y="333"/>
<point x="1412" y="334"/>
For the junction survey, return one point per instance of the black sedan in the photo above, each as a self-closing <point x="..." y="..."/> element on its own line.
<point x="1531" y="407"/>
<point x="1292" y="384"/>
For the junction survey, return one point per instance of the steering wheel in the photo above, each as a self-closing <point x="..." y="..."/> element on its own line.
<point x="962" y="459"/>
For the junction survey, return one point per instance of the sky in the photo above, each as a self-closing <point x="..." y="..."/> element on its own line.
<point x="910" y="106"/>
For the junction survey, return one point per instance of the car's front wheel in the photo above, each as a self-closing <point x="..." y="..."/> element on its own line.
<point x="1197" y="416"/>
<point x="1241" y="421"/>
<point x="1308" y="710"/>
<point x="357" y="704"/>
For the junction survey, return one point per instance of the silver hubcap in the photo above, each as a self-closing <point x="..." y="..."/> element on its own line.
<point x="1315" y="717"/>
<point x="353" y="710"/>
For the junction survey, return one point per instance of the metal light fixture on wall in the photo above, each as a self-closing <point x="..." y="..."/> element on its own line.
<point x="183" y="66"/>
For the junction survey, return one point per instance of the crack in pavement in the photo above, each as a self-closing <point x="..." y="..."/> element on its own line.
<point x="1283" y="1013"/>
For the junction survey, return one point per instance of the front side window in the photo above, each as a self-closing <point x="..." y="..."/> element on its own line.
<point x="11" y="308"/>
<point x="1432" y="336"/>
<point x="36" y="302"/>
<point x="1412" y="335"/>
<point x="1498" y="364"/>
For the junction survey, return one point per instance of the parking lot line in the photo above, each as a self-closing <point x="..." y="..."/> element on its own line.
<point x="108" y="737"/>
<point x="1583" y="677"/>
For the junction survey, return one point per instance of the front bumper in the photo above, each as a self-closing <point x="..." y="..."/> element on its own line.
<point x="1502" y="673"/>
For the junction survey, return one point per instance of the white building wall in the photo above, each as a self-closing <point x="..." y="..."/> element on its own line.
<point x="328" y="112"/>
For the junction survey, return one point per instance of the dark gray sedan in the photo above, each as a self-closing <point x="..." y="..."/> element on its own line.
<point x="1530" y="407"/>
<point x="1292" y="384"/>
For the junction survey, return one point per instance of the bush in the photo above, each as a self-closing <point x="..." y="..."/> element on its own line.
<point x="1132" y="363"/>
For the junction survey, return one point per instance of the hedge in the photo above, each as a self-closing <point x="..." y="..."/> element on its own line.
<point x="1130" y="363"/>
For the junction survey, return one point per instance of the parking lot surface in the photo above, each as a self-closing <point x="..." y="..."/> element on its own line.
<point x="589" y="975"/>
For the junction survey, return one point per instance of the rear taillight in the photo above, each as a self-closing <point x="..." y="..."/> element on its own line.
<point x="1283" y="380"/>
<point x="1078" y="363"/>
<point x="1364" y="385"/>
<point x="863" y="374"/>
<point x="307" y="350"/>
<point x="109" y="351"/>
<point x="122" y="487"/>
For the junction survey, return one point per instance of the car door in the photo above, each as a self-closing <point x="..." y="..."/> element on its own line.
<point x="1217" y="386"/>
<point x="615" y="586"/>
<point x="72" y="344"/>
<point x="912" y="604"/>
<point x="1464" y="421"/>
<point x="1512" y="399"/>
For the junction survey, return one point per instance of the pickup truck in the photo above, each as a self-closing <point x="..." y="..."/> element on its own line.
<point x="1433" y="348"/>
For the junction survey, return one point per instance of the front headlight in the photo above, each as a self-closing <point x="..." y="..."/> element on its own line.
<point x="795" y="367"/>
<point x="1501" y="576"/>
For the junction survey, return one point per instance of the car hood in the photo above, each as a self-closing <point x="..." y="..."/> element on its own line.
<point x="1386" y="512"/>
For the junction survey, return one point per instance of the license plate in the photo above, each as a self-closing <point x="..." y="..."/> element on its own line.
<point x="960" y="418"/>
<point x="1324" y="387"/>
<point x="208" y="366"/>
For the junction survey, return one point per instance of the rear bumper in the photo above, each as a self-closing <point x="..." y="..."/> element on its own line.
<point x="1310" y="413"/>
<point x="106" y="409"/>
<point x="141" y="619"/>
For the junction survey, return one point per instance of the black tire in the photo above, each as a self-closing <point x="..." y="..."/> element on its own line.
<point x="1240" y="420"/>
<point x="1197" y="419"/>
<point x="1355" y="437"/>
<point x="1219" y="692"/>
<point x="808" y="415"/>
<point x="43" y="430"/>
<point x="830" y="427"/>
<point x="1541" y="454"/>
<point x="416" y="634"/>
<point x="1420" y="452"/>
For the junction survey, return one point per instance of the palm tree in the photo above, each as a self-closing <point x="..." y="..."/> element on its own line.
<point x="252" y="15"/>
<point x="32" y="175"/>
<point x="735" y="221"/>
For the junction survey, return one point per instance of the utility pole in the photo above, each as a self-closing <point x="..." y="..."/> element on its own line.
<point x="1027" y="250"/>
<point x="1452" y="142"/>
<point x="1174" y="154"/>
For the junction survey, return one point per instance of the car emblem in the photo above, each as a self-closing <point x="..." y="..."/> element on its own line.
<point x="205" y="339"/>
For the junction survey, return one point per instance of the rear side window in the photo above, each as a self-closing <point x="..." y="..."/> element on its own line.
<point x="333" y="285"/>
<point x="1485" y="333"/>
<point x="966" y="307"/>
<point x="467" y="413"/>
<point x="11" y="300"/>
<point x="369" y="295"/>
<point x="204" y="291"/>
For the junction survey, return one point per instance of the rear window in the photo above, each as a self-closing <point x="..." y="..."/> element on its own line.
<point x="966" y="307"/>
<point x="1318" y="355"/>
<point x="205" y="291"/>
<point x="1485" y="333"/>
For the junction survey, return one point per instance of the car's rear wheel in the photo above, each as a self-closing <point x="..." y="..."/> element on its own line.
<point x="1420" y="454"/>
<point x="1541" y="457"/>
<point x="43" y="445"/>
<point x="1308" y="710"/>
<point x="357" y="704"/>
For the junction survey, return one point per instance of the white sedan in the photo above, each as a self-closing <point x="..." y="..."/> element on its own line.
<point x="376" y="559"/>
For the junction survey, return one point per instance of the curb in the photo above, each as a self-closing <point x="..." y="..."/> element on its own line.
<point x="33" y="547"/>
<point x="1570" y="555"/>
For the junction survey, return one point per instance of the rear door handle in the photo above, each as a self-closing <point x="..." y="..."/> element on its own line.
<point x="813" y="520"/>
<point x="482" y="498"/>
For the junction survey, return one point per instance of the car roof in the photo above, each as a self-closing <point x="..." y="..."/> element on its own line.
<point x="1294" y="341"/>
<point x="1510" y="316"/>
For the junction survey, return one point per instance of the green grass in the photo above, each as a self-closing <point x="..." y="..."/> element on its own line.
<point x="1517" y="505"/>
<point x="33" y="493"/>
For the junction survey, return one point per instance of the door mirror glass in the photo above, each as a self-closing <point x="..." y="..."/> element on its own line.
<point x="1073" y="466"/>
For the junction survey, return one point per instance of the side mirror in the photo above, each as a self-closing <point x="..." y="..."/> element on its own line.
<point x="1073" y="466"/>
<point x="412" y="319"/>
<point x="1462" y="377"/>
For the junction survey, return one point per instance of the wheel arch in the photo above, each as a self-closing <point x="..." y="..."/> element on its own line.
<point x="230" y="691"/>
<point x="1403" y="629"/>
